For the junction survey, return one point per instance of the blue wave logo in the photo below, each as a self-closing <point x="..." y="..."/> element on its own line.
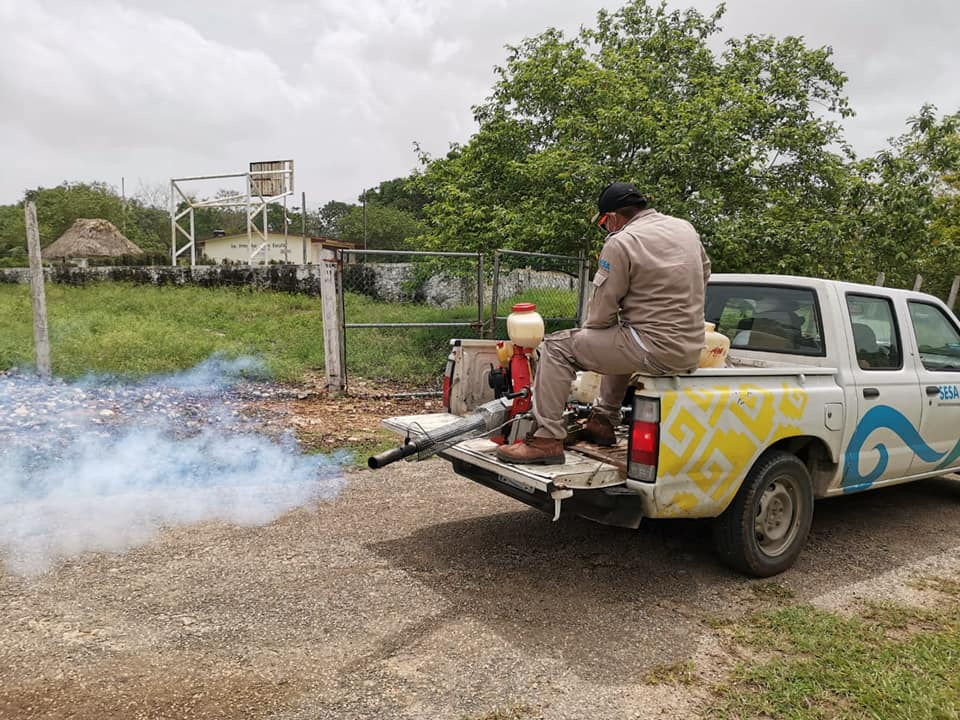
<point x="952" y="457"/>
<point x="884" y="416"/>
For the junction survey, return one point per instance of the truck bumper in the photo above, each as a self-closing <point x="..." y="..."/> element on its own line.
<point x="584" y="485"/>
<point x="613" y="505"/>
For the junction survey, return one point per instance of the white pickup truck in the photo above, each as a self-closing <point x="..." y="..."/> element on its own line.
<point x="829" y="388"/>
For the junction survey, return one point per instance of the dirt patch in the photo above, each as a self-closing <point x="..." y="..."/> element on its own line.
<point x="326" y="423"/>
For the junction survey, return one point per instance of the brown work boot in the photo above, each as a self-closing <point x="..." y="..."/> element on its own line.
<point x="533" y="451"/>
<point x="599" y="430"/>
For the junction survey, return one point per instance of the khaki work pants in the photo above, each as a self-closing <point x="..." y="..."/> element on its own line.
<point x="613" y="352"/>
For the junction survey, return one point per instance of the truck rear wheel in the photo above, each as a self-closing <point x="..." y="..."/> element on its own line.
<point x="766" y="525"/>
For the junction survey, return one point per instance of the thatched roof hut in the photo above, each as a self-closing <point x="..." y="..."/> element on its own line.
<point x="91" y="238"/>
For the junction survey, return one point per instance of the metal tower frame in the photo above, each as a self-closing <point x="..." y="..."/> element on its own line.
<point x="266" y="182"/>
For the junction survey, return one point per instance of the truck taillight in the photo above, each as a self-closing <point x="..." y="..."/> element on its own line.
<point x="644" y="439"/>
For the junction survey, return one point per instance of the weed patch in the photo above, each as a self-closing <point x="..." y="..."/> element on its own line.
<point x="679" y="673"/>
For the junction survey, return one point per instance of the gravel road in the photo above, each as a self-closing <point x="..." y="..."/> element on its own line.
<point x="418" y="594"/>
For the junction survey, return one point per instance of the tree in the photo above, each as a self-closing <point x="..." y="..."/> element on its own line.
<point x="330" y="216"/>
<point x="400" y="193"/>
<point x="738" y="143"/>
<point x="60" y="206"/>
<point x="906" y="218"/>
<point x="386" y="228"/>
<point x="275" y="216"/>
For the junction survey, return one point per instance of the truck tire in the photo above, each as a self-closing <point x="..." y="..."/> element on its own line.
<point x="763" y="530"/>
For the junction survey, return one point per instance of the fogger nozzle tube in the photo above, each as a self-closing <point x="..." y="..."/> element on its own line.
<point x="375" y="462"/>
<point x="487" y="417"/>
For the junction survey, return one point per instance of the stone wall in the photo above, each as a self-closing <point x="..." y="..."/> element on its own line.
<point x="391" y="282"/>
<point x="286" y="278"/>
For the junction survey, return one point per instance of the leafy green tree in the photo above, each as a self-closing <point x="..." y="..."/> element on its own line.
<point x="275" y="215"/>
<point x="386" y="228"/>
<point x="59" y="207"/>
<point x="906" y="214"/>
<point x="738" y="142"/>
<point x="147" y="227"/>
<point x="330" y="216"/>
<point x="401" y="193"/>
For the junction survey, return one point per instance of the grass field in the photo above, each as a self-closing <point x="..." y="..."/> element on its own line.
<point x="137" y="330"/>
<point x="141" y="330"/>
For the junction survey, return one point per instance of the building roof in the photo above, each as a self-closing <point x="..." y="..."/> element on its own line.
<point x="334" y="243"/>
<point x="91" y="238"/>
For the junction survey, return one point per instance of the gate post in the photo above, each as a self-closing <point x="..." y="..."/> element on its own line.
<point x="480" y="288"/>
<point x="495" y="293"/>
<point x="953" y="292"/>
<point x="332" y="328"/>
<point x="583" y="294"/>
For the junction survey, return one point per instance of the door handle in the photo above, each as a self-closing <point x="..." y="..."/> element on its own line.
<point x="933" y="390"/>
<point x="871" y="392"/>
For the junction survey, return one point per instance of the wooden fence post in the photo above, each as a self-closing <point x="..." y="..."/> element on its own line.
<point x="917" y="283"/>
<point x="332" y="331"/>
<point x="880" y="278"/>
<point x="41" y="338"/>
<point x="951" y="301"/>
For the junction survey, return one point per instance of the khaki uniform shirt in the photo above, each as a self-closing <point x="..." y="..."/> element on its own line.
<point x="652" y="277"/>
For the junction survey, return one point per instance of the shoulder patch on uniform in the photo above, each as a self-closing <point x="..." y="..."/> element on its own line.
<point x="604" y="265"/>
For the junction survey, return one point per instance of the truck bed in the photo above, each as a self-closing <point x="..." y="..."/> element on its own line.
<point x="587" y="466"/>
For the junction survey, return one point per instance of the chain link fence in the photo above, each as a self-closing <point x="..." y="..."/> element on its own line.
<point x="399" y="310"/>
<point x="554" y="283"/>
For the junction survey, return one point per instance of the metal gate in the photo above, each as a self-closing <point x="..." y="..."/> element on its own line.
<point x="397" y="309"/>
<point x="555" y="283"/>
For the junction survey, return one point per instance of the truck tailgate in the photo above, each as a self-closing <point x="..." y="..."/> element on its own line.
<point x="580" y="471"/>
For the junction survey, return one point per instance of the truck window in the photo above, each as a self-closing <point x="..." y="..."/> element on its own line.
<point x="875" y="333"/>
<point x="770" y="318"/>
<point x="937" y="338"/>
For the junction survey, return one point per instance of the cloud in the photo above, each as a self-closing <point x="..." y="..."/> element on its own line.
<point x="116" y="77"/>
<point x="896" y="54"/>
<point x="100" y="89"/>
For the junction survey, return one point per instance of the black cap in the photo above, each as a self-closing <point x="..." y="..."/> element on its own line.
<point x="618" y="195"/>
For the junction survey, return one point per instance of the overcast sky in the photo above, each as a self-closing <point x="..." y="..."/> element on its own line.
<point x="146" y="91"/>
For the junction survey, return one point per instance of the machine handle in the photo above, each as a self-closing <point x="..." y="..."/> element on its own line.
<point x="871" y="392"/>
<point x="933" y="390"/>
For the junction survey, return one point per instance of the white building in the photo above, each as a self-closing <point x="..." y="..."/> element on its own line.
<point x="277" y="249"/>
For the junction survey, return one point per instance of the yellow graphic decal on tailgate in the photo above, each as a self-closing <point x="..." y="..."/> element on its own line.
<point x="710" y="438"/>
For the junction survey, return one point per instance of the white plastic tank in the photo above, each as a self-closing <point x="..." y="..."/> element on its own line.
<point x="715" y="348"/>
<point x="586" y="386"/>
<point x="525" y="326"/>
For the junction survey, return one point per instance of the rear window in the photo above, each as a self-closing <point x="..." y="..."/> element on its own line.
<point x="770" y="318"/>
<point x="876" y="337"/>
<point x="937" y="338"/>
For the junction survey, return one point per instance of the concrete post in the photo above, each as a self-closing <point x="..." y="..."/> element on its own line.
<point x="953" y="292"/>
<point x="333" y="344"/>
<point x="41" y="338"/>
